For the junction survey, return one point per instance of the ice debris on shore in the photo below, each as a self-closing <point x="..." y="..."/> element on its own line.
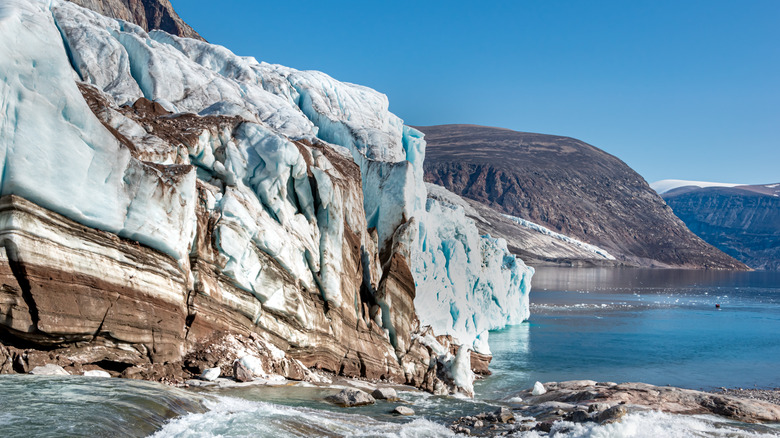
<point x="538" y="389"/>
<point x="467" y="284"/>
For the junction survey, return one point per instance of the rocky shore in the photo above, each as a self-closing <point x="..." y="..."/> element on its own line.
<point x="586" y="401"/>
<point x="545" y="409"/>
<point x="767" y="395"/>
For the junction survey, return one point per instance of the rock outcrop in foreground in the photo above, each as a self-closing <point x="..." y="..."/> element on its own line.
<point x="569" y="187"/>
<point x="168" y="207"/>
<point x="578" y="394"/>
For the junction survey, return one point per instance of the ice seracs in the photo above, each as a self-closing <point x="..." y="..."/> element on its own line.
<point x="185" y="147"/>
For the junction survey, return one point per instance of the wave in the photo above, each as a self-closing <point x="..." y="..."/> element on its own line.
<point x="234" y="417"/>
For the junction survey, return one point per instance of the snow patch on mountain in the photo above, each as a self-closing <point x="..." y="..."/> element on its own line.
<point x="666" y="185"/>
<point x="543" y="230"/>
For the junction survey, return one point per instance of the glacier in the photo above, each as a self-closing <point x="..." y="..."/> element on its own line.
<point x="252" y="159"/>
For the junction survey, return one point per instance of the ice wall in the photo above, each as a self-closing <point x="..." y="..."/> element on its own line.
<point x="469" y="283"/>
<point x="54" y="152"/>
<point x="271" y="199"/>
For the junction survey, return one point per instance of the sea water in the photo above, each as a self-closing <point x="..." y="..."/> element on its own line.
<point x="640" y="325"/>
<point x="654" y="326"/>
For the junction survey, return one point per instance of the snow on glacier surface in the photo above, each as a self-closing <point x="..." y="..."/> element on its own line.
<point x="466" y="283"/>
<point x="57" y="154"/>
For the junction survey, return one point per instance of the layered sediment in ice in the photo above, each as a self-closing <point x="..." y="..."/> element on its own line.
<point x="289" y="204"/>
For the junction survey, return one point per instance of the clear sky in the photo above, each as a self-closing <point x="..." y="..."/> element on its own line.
<point x="677" y="89"/>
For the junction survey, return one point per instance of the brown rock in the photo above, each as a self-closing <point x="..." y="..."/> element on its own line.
<point x="350" y="397"/>
<point x="612" y="415"/>
<point x="242" y="373"/>
<point x="403" y="410"/>
<point x="663" y="398"/>
<point x="149" y="14"/>
<point x="388" y="394"/>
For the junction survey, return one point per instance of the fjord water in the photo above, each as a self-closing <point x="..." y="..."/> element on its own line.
<point x="653" y="326"/>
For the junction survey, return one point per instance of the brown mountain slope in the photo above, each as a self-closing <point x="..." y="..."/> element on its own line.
<point x="570" y="187"/>
<point x="149" y="14"/>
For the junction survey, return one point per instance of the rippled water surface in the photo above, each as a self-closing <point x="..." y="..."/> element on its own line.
<point x="655" y="326"/>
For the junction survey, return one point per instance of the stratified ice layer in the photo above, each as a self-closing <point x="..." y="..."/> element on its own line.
<point x="273" y="197"/>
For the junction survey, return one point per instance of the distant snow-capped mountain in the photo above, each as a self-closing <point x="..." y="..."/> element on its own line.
<point x="666" y="185"/>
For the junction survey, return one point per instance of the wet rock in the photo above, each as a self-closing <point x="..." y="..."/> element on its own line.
<point x="388" y="394"/>
<point x="579" y="416"/>
<point x="549" y="408"/>
<point x="403" y="410"/>
<point x="523" y="427"/>
<point x="211" y="374"/>
<point x="544" y="426"/>
<point x="601" y="397"/>
<point x="241" y="372"/>
<point x="504" y="415"/>
<point x="350" y="397"/>
<point x="478" y="423"/>
<point x="49" y="370"/>
<point x="612" y="415"/>
<point x="96" y="373"/>
<point x="598" y="407"/>
<point x="461" y="429"/>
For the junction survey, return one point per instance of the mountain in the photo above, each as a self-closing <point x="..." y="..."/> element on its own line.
<point x="535" y="244"/>
<point x="167" y="206"/>
<point x="569" y="187"/>
<point x="742" y="221"/>
<point x="149" y="14"/>
<point x="666" y="185"/>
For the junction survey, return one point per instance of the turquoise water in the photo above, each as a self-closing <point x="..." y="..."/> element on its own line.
<point x="659" y="327"/>
<point x="73" y="406"/>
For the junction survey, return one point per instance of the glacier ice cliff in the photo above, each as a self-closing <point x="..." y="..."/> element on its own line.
<point x="157" y="189"/>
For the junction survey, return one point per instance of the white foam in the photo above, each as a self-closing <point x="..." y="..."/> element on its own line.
<point x="233" y="417"/>
<point x="653" y="424"/>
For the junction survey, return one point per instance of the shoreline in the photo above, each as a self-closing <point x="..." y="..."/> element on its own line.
<point x="548" y="409"/>
<point x="769" y="395"/>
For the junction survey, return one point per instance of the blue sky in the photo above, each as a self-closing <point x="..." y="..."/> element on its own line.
<point x="676" y="89"/>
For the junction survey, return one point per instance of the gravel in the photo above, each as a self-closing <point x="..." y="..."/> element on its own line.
<point x="767" y="395"/>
